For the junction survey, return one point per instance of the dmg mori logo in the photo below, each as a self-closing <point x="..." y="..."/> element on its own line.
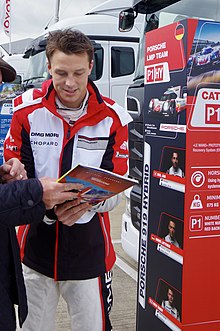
<point x="45" y="134"/>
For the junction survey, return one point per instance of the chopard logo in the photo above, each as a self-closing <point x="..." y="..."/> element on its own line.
<point x="45" y="134"/>
<point x="44" y="143"/>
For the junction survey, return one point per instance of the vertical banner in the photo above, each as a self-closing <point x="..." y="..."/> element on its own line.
<point x="178" y="286"/>
<point x="7" y="17"/>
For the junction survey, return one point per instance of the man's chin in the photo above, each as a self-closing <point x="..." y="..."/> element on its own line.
<point x="69" y="102"/>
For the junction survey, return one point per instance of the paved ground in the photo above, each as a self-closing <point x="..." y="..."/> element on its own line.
<point x="123" y="312"/>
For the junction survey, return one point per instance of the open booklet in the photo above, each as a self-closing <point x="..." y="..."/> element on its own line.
<point x="98" y="184"/>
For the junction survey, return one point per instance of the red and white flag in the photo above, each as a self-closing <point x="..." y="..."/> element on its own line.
<point x="7" y="17"/>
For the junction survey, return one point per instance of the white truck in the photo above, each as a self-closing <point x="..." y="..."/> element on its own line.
<point x="18" y="62"/>
<point x="115" y="53"/>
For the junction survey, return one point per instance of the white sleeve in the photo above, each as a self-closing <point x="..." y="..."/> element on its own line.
<point x="108" y="204"/>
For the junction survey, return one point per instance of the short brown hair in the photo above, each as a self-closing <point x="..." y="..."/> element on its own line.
<point x="69" y="42"/>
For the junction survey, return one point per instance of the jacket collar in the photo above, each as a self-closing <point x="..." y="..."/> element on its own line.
<point x="96" y="105"/>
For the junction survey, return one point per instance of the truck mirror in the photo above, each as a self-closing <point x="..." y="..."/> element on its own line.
<point x="126" y="20"/>
<point x="152" y="23"/>
<point x="43" y="43"/>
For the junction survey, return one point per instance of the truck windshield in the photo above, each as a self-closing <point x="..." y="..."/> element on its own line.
<point x="38" y="72"/>
<point x="174" y="13"/>
<point x="37" y="67"/>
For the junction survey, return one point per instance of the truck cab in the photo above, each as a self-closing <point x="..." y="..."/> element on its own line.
<point x="20" y="64"/>
<point x="157" y="13"/>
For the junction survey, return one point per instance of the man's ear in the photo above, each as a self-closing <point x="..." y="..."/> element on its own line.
<point x="91" y="66"/>
<point x="49" y="67"/>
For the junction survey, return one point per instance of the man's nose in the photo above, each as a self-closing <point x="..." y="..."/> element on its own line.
<point x="70" y="81"/>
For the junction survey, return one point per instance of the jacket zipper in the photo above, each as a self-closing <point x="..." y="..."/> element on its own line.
<point x="57" y="230"/>
<point x="68" y="134"/>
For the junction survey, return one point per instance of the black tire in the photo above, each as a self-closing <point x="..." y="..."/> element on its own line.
<point x="172" y="107"/>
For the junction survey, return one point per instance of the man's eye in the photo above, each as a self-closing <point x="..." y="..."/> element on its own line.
<point x="79" y="74"/>
<point x="61" y="73"/>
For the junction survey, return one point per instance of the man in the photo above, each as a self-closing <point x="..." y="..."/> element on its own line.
<point x="66" y="123"/>
<point x="21" y="202"/>
<point x="169" y="305"/>
<point x="170" y="237"/>
<point x="175" y="169"/>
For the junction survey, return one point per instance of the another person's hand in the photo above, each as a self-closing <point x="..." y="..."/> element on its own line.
<point x="57" y="193"/>
<point x="70" y="212"/>
<point x="12" y="170"/>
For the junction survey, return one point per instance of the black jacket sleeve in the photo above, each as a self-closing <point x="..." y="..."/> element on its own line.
<point x="21" y="202"/>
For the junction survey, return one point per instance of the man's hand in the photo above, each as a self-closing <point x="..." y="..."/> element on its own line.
<point x="12" y="170"/>
<point x="56" y="193"/>
<point x="70" y="212"/>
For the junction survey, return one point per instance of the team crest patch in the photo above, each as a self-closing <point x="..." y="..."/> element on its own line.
<point x="124" y="145"/>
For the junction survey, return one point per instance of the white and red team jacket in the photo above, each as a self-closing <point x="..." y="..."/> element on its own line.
<point x="49" y="146"/>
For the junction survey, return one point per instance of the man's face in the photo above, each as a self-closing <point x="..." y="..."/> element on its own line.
<point x="170" y="296"/>
<point x="172" y="229"/>
<point x="0" y="77"/>
<point x="175" y="160"/>
<point x="70" y="77"/>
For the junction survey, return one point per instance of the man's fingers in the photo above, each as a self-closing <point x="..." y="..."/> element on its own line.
<point x="17" y="169"/>
<point x="6" y="168"/>
<point x="67" y="205"/>
<point x="61" y="197"/>
<point x="71" y="186"/>
<point x="75" y="218"/>
<point x="56" y="193"/>
<point x="70" y="215"/>
<point x="67" y="209"/>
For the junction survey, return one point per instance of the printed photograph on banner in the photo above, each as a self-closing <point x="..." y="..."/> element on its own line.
<point x="203" y="68"/>
<point x="171" y="171"/>
<point x="170" y="104"/>
<point x="165" y="111"/>
<point x="168" y="305"/>
<point x="169" y="237"/>
<point x="204" y="60"/>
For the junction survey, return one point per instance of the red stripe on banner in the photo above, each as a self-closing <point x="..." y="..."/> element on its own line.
<point x="176" y="179"/>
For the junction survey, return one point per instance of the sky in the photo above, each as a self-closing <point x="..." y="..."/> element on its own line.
<point x="30" y="17"/>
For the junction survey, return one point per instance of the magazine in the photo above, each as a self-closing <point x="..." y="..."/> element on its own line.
<point x="98" y="184"/>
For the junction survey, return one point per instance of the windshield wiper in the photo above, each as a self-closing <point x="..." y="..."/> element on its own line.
<point x="35" y="77"/>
